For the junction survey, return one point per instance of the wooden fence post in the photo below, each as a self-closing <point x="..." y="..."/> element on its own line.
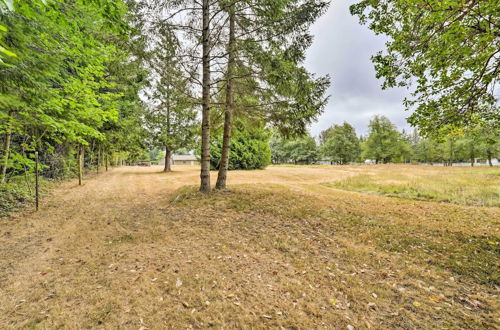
<point x="80" y="165"/>
<point x="36" y="179"/>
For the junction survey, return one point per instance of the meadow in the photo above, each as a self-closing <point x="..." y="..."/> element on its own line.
<point x="292" y="247"/>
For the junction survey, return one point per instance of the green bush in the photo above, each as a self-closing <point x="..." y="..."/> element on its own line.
<point x="249" y="148"/>
<point x="13" y="197"/>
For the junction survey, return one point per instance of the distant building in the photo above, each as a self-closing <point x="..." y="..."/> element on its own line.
<point x="182" y="160"/>
<point x="484" y="161"/>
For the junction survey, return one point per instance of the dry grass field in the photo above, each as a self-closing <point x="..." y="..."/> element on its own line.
<point x="288" y="247"/>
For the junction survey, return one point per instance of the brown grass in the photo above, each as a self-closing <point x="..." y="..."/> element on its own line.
<point x="135" y="248"/>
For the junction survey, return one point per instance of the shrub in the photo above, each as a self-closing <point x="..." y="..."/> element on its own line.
<point x="249" y="148"/>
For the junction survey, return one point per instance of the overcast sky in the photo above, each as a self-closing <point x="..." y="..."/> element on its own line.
<point x="342" y="48"/>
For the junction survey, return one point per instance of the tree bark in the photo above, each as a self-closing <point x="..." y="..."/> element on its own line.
<point x="36" y="180"/>
<point x="6" y="152"/>
<point x="205" y="120"/>
<point x="5" y="158"/>
<point x="228" y="113"/>
<point x="168" y="160"/>
<point x="98" y="161"/>
<point x="451" y="152"/>
<point x="489" y="157"/>
<point x="472" y="156"/>
<point x="80" y="165"/>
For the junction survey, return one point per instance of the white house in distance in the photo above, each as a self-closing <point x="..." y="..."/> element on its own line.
<point x="182" y="160"/>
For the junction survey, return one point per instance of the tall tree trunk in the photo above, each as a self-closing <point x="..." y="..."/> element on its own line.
<point x="98" y="161"/>
<point x="488" y="152"/>
<point x="6" y="151"/>
<point x="5" y="155"/>
<point x="451" y="152"/>
<point x="205" y="115"/>
<point x="168" y="160"/>
<point x="80" y="164"/>
<point x="106" y="160"/>
<point x="228" y="113"/>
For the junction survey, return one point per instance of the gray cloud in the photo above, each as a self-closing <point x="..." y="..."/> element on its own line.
<point x="342" y="48"/>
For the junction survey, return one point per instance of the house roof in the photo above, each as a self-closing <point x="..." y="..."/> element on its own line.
<point x="184" y="157"/>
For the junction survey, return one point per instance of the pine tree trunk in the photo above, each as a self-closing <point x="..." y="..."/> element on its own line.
<point x="228" y="115"/>
<point x="168" y="160"/>
<point x="6" y="151"/>
<point x="205" y="120"/>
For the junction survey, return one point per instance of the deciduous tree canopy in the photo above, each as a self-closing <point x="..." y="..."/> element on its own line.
<point x="447" y="52"/>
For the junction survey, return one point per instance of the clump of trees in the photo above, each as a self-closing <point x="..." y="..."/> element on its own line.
<point x="384" y="142"/>
<point x="69" y="81"/>
<point x="88" y="83"/>
<point x="340" y="145"/>
<point x="92" y="83"/>
<point x="250" y="57"/>
<point x="301" y="150"/>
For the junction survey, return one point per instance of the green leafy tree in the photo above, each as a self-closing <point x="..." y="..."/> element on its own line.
<point x="301" y="150"/>
<point x="384" y="142"/>
<point x="72" y="83"/>
<point x="448" y="50"/>
<point x="341" y="144"/>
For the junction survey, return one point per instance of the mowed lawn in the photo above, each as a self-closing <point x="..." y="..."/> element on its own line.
<point x="292" y="247"/>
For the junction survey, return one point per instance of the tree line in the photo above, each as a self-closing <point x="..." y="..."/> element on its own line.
<point x="70" y="73"/>
<point x="89" y="83"/>
<point x="340" y="145"/>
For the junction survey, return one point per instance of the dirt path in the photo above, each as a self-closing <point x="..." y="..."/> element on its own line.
<point x="115" y="253"/>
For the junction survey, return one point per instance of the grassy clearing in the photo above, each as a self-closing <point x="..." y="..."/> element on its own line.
<point x="130" y="251"/>
<point x="477" y="187"/>
<point x="402" y="273"/>
<point x="472" y="255"/>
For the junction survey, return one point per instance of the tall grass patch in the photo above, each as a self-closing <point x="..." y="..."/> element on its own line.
<point x="466" y="187"/>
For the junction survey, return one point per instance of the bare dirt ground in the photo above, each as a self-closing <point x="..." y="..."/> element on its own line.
<point x="134" y="248"/>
